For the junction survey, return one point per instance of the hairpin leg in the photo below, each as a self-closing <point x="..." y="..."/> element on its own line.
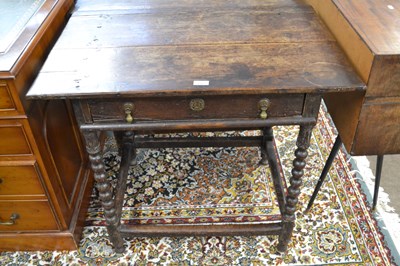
<point x="378" y="173"/>
<point x="332" y="155"/>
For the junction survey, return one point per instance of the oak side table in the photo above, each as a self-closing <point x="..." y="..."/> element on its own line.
<point x="171" y="66"/>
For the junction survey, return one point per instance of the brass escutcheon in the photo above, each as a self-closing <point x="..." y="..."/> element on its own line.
<point x="263" y="105"/>
<point x="197" y="104"/>
<point x="128" y="109"/>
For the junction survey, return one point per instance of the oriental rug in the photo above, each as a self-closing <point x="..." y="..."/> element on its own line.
<point x="227" y="185"/>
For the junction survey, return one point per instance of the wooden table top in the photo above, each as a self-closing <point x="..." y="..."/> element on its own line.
<point x="186" y="47"/>
<point x="377" y="22"/>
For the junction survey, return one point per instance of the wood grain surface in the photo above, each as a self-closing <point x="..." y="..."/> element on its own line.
<point x="46" y="187"/>
<point x="159" y="48"/>
<point x="369" y="33"/>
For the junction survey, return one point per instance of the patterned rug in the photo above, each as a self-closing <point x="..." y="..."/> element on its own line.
<point x="226" y="185"/>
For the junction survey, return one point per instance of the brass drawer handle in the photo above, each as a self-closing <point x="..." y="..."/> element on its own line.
<point x="263" y="105"/>
<point x="128" y="109"/>
<point x="13" y="217"/>
<point x="197" y="104"/>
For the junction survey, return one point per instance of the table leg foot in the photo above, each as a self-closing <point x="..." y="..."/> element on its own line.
<point x="116" y="238"/>
<point x="284" y="237"/>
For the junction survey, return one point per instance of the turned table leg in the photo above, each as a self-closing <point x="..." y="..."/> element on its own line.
<point x="104" y="187"/>
<point x="128" y="154"/>
<point x="289" y="217"/>
<point x="268" y="135"/>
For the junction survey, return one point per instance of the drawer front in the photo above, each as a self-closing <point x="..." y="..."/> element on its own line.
<point x="6" y="101"/>
<point x="378" y="131"/>
<point x="13" y="139"/>
<point x="32" y="215"/>
<point x="20" y="180"/>
<point x="202" y="107"/>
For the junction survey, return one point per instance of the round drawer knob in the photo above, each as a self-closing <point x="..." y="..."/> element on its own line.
<point x="128" y="109"/>
<point x="263" y="105"/>
<point x="197" y="104"/>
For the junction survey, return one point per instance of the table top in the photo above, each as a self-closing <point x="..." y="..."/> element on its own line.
<point x="188" y="47"/>
<point x="377" y="23"/>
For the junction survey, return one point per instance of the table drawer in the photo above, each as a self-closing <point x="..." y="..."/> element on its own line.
<point x="13" y="138"/>
<point x="20" y="180"/>
<point x="6" y="101"/>
<point x="32" y="215"/>
<point x="203" y="107"/>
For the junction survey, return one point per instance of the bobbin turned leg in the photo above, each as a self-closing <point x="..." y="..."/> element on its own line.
<point x="288" y="216"/>
<point x="104" y="187"/>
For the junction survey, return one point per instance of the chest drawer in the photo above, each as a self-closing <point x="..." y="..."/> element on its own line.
<point x="20" y="180"/>
<point x="202" y="107"/>
<point x="32" y="215"/>
<point x="13" y="138"/>
<point x="6" y="101"/>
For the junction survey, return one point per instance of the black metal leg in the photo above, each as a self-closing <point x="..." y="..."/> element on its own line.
<point x="378" y="173"/>
<point x="332" y="155"/>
